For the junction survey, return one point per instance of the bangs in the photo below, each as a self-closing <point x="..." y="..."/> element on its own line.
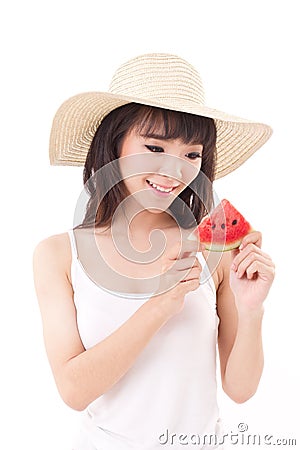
<point x="158" y="123"/>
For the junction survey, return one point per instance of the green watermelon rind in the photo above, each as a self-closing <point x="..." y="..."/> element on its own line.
<point x="213" y="247"/>
<point x="221" y="248"/>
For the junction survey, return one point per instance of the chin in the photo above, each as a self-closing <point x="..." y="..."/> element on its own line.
<point x="155" y="211"/>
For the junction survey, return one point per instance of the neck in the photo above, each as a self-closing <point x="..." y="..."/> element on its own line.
<point x="132" y="229"/>
<point x="137" y="221"/>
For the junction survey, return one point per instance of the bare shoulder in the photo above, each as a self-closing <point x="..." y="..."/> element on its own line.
<point x="219" y="266"/>
<point x="54" y="242"/>
<point x="224" y="266"/>
<point x="53" y="251"/>
<point x="225" y="297"/>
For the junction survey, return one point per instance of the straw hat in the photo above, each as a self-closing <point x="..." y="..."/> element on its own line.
<point x="158" y="79"/>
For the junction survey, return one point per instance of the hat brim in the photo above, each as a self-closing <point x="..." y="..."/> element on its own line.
<point x="78" y="118"/>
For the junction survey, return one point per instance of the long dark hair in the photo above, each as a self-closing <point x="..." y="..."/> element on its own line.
<point x="146" y="121"/>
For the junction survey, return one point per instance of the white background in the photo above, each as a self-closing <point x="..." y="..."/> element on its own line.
<point x="247" y="53"/>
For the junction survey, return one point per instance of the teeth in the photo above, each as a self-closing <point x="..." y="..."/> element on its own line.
<point x="159" y="188"/>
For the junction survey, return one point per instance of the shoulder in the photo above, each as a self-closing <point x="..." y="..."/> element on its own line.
<point x="219" y="266"/>
<point x="224" y="266"/>
<point x="57" y="243"/>
<point x="53" y="251"/>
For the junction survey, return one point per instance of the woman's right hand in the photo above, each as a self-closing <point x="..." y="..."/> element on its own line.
<point x="180" y="274"/>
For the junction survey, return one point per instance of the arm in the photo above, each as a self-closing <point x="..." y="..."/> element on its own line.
<point x="83" y="375"/>
<point x="246" y="279"/>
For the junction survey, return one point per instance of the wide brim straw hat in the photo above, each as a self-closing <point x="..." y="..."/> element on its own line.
<point x="157" y="79"/>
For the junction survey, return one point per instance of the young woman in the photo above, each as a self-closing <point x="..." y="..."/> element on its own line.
<point x="133" y="309"/>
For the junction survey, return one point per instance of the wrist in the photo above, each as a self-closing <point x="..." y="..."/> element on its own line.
<point x="247" y="314"/>
<point x="159" y="308"/>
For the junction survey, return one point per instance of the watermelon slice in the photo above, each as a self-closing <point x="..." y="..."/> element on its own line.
<point x="223" y="229"/>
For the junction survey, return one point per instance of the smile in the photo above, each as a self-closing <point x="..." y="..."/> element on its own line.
<point x="162" y="189"/>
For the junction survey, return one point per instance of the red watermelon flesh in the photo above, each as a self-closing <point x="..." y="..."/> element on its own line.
<point x="224" y="228"/>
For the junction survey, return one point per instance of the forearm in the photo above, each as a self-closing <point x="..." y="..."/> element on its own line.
<point x="93" y="372"/>
<point x="245" y="362"/>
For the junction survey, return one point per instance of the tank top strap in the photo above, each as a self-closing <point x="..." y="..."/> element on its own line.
<point x="206" y="276"/>
<point x="73" y="244"/>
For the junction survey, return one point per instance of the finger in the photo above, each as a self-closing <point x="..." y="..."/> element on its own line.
<point x="173" y="251"/>
<point x="185" y="263"/>
<point x="254" y="237"/>
<point x="171" y="279"/>
<point x="240" y="255"/>
<point x="250" y="259"/>
<point x="182" y="249"/>
<point x="185" y="274"/>
<point x="189" y="285"/>
<point x="263" y="270"/>
<point x="192" y="274"/>
<point x="188" y="248"/>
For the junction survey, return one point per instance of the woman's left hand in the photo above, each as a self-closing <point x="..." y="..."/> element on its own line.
<point x="252" y="273"/>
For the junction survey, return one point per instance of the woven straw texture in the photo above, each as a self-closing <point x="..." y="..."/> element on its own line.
<point x="162" y="80"/>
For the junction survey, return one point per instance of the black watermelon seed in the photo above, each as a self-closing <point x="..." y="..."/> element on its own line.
<point x="223" y="226"/>
<point x="213" y="226"/>
<point x="234" y="222"/>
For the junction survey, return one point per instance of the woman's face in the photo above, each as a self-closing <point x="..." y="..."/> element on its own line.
<point x="157" y="169"/>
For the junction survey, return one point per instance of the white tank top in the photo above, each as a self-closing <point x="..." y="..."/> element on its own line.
<point x="168" y="398"/>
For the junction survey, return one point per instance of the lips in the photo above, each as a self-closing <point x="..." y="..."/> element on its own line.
<point x="160" y="188"/>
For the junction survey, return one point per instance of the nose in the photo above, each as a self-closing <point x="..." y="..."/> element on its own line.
<point x="171" y="168"/>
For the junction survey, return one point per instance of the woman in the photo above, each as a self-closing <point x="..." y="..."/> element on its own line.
<point x="131" y="311"/>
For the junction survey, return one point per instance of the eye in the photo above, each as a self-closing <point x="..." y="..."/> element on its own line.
<point x="194" y="155"/>
<point x="154" y="148"/>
